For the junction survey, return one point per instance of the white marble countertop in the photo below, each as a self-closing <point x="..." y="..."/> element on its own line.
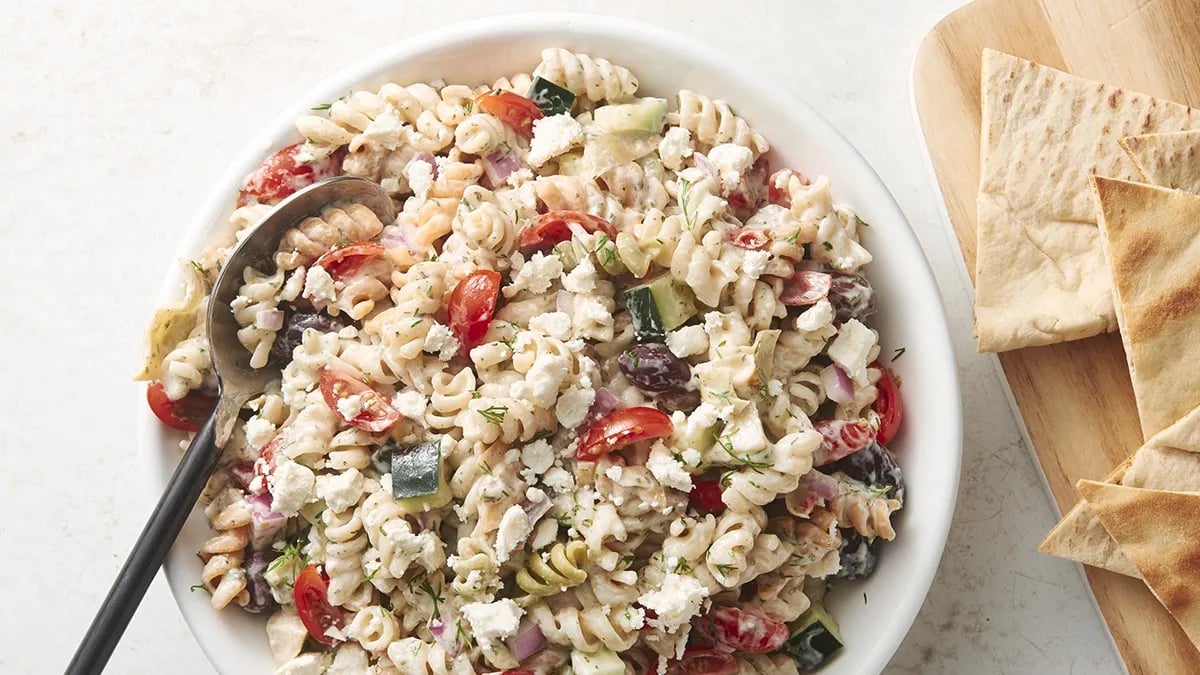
<point x="115" y="119"/>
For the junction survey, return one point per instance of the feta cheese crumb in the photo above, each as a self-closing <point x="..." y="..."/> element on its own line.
<point x="668" y="470"/>
<point x="493" y="621"/>
<point x="754" y="263"/>
<point x="614" y="472"/>
<point x="350" y="407"/>
<point x="775" y="387"/>
<point x="691" y="457"/>
<point x="419" y="174"/>
<point x="411" y="404"/>
<point x="536" y="274"/>
<point x="731" y="161"/>
<point x="851" y="349"/>
<point x="573" y="406"/>
<point x="311" y="663"/>
<point x="552" y="136"/>
<point x="687" y="341"/>
<point x="514" y="529"/>
<point x="675" y="602"/>
<point x="340" y="491"/>
<point x="559" y="480"/>
<point x="582" y="279"/>
<point x="675" y="146"/>
<point x="292" y="485"/>
<point x="318" y="285"/>
<point x="440" y="340"/>
<point x="816" y="317"/>
<point x="259" y="432"/>
<point x="537" y="456"/>
<point x="552" y="324"/>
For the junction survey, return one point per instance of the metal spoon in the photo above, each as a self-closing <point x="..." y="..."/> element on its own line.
<point x="237" y="383"/>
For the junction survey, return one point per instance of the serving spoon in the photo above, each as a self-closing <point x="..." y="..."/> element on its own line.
<point x="237" y="383"/>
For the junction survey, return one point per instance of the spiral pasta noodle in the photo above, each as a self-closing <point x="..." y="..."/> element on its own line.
<point x="562" y="568"/>
<point x="596" y="78"/>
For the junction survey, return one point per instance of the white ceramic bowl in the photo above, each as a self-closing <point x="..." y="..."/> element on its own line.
<point x="874" y="614"/>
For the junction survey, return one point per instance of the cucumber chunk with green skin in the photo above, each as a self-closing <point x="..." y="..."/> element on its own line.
<point x="418" y="477"/>
<point x="646" y="115"/>
<point x="659" y="305"/>
<point x="551" y="98"/>
<point x="815" y="638"/>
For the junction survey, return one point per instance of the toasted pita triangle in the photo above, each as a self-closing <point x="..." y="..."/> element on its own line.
<point x="1150" y="236"/>
<point x="1040" y="273"/>
<point x="1159" y="532"/>
<point x="1170" y="160"/>
<point x="1168" y="461"/>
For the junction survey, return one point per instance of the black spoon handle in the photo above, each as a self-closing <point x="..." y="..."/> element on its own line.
<point x="148" y="553"/>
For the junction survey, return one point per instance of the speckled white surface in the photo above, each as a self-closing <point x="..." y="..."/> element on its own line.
<point x="116" y="117"/>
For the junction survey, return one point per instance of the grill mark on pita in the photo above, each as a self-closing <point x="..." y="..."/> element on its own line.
<point x="1180" y="302"/>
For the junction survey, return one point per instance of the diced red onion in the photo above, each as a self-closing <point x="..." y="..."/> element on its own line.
<point x="527" y="642"/>
<point x="500" y="165"/>
<point x="535" y="510"/>
<point x="446" y="638"/>
<point x="838" y="387"/>
<point x="604" y="403"/>
<point x="265" y="522"/>
<point x="269" y="319"/>
<point x="706" y="166"/>
<point x="241" y="473"/>
<point x="806" y="288"/>
<point x="393" y="236"/>
<point x="818" y="484"/>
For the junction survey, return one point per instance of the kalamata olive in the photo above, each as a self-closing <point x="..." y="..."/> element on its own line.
<point x="875" y="466"/>
<point x="292" y="333"/>
<point x="652" y="368"/>
<point x="685" y="400"/>
<point x="852" y="297"/>
<point x="857" y="555"/>
<point x="261" y="598"/>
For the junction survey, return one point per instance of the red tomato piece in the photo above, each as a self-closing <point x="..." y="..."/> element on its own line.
<point x="747" y="632"/>
<point x="777" y="186"/>
<point x="376" y="414"/>
<point x="311" y="593"/>
<point x="888" y="405"/>
<point x="554" y="227"/>
<point x="706" y="495"/>
<point x="264" y="466"/>
<point x="187" y="414"/>
<point x="841" y="438"/>
<point x="752" y="240"/>
<point x="705" y="661"/>
<point x="620" y="428"/>
<point x="517" y="671"/>
<point x="806" y="288"/>
<point x="281" y="174"/>
<point x="472" y="305"/>
<point x="751" y="190"/>
<point x="516" y="111"/>
<point x="346" y="260"/>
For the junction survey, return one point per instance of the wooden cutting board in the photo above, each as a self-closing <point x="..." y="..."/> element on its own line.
<point x="1075" y="398"/>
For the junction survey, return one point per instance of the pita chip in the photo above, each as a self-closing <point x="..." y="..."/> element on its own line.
<point x="1170" y="160"/>
<point x="1150" y="237"/>
<point x="1159" y="531"/>
<point x="1041" y="277"/>
<point x="1168" y="461"/>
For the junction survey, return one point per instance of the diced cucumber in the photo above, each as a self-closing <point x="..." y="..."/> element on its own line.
<point x="550" y="97"/>
<point x="647" y="115"/>
<point x="418" y="476"/>
<point x="659" y="305"/>
<point x="603" y="662"/>
<point x="815" y="638"/>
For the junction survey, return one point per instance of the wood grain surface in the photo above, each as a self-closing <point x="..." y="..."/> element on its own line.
<point x="1075" y="398"/>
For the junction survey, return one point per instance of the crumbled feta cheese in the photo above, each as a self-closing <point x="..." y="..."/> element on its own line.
<point x="675" y="602"/>
<point x="350" y="407"/>
<point x="318" y="285"/>
<point x="614" y="472"/>
<point x="704" y="416"/>
<point x="675" y="146"/>
<point x="731" y="161"/>
<point x="851" y="349"/>
<point x="419" y="174"/>
<point x="294" y="285"/>
<point x="385" y="131"/>
<point x="537" y="456"/>
<point x="691" y="457"/>
<point x="311" y="663"/>
<point x="535" y="495"/>
<point x="559" y="479"/>
<point x="536" y="274"/>
<point x="552" y="136"/>
<point x="292" y="485"/>
<point x="573" y="406"/>
<point x="775" y="387"/>
<point x="259" y="432"/>
<point x="816" y="317"/>
<point x="340" y="491"/>
<point x="514" y="529"/>
<point x="668" y="470"/>
<point x="411" y="404"/>
<point x="754" y="263"/>
<point x="493" y="620"/>
<point x="440" y="340"/>
<point x="687" y="341"/>
<point x="552" y="324"/>
<point x="582" y="279"/>
<point x="589" y="312"/>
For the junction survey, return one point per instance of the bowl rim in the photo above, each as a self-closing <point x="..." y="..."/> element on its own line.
<point x="156" y="463"/>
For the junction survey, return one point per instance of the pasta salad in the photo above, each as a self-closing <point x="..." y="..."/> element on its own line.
<point x="602" y="399"/>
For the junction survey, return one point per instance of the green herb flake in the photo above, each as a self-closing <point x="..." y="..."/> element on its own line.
<point x="322" y="106"/>
<point x="199" y="587"/>
<point x="494" y="414"/>
<point x="828" y="246"/>
<point x="898" y="353"/>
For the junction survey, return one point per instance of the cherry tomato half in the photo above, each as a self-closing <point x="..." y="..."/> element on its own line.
<point x="347" y="260"/>
<point x="777" y="186"/>
<point x="841" y="438"/>
<point x="472" y="305"/>
<point x="376" y="414"/>
<point x="888" y="405"/>
<point x="806" y="288"/>
<point x="281" y="174"/>
<point x="745" y="631"/>
<point x="751" y="240"/>
<point x="705" y="661"/>
<point x="620" y="428"/>
<point x="552" y="228"/>
<point x="187" y="414"/>
<point x="706" y="495"/>
<point x="516" y="111"/>
<point x="311" y="593"/>
<point x="751" y="190"/>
